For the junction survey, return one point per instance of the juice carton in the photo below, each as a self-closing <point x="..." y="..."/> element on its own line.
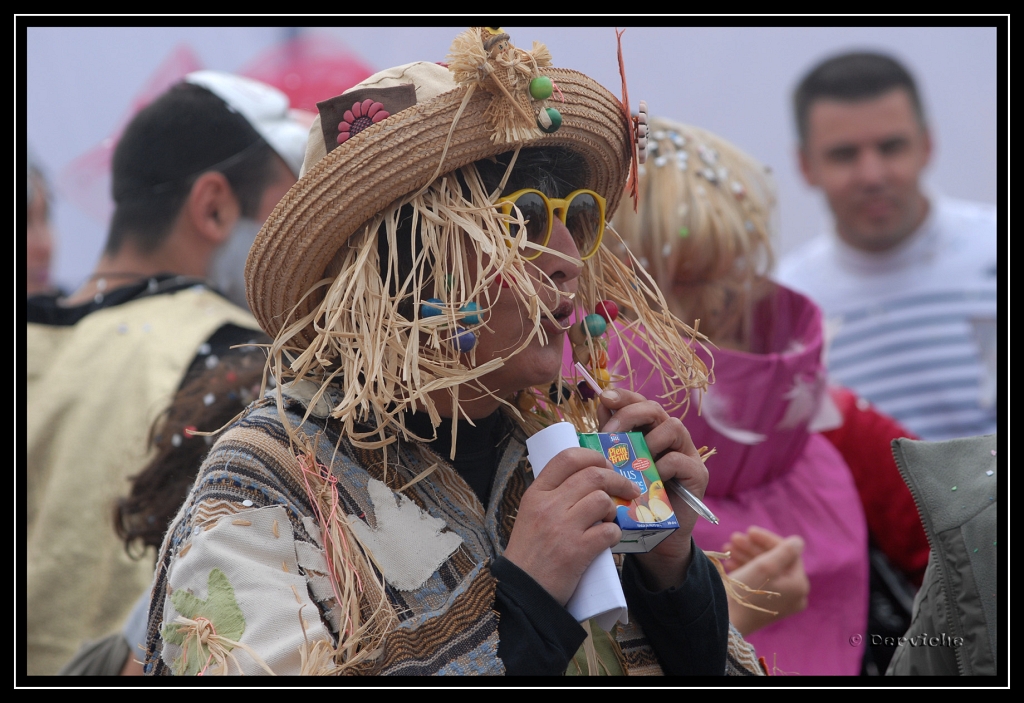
<point x="648" y="519"/>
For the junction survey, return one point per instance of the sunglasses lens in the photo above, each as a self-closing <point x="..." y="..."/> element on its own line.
<point x="584" y="221"/>
<point x="535" y="212"/>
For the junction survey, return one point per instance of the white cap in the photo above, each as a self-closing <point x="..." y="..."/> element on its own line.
<point x="266" y="108"/>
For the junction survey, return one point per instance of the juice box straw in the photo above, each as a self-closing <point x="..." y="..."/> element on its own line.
<point x="676" y="487"/>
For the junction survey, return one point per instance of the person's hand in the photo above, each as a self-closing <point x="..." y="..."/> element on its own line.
<point x="676" y="458"/>
<point x="566" y="518"/>
<point x="763" y="560"/>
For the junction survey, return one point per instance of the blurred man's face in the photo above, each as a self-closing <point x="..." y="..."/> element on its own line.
<point x="283" y="180"/>
<point x="867" y="157"/>
<point x="39" y="243"/>
<point x="227" y="267"/>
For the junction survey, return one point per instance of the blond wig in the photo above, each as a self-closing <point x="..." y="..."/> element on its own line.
<point x="703" y="228"/>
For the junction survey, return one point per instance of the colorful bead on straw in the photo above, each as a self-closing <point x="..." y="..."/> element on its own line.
<point x="589" y="345"/>
<point x="463" y="340"/>
<point x="460" y="339"/>
<point x="472" y="318"/>
<point x="559" y="394"/>
<point x="548" y="118"/>
<point x="431" y="308"/>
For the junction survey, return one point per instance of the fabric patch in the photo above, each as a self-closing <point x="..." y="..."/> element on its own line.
<point x="266" y="582"/>
<point x="407" y="543"/>
<point x="220" y="609"/>
<point x="332" y="112"/>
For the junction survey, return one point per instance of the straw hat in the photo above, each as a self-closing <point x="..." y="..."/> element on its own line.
<point x="385" y="138"/>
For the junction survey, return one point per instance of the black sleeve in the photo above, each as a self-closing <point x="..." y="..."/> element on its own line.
<point x="536" y="635"/>
<point x="688" y="626"/>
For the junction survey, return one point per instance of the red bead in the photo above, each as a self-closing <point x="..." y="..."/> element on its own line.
<point x="608" y="310"/>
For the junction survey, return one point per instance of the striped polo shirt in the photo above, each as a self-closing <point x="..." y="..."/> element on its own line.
<point x="913" y="330"/>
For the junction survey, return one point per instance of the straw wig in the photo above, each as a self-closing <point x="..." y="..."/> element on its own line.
<point x="389" y="253"/>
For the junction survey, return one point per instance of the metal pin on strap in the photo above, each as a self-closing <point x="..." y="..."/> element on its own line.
<point x="673" y="484"/>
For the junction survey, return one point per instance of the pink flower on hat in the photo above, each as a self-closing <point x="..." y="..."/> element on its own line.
<point x="362" y="115"/>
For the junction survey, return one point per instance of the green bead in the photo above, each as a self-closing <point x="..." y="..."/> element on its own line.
<point x="541" y="88"/>
<point x="556" y="121"/>
<point x="596" y="325"/>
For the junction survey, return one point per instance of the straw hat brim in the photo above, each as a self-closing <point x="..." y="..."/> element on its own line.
<point x="396" y="157"/>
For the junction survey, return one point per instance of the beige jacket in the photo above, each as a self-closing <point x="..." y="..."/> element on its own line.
<point x="94" y="390"/>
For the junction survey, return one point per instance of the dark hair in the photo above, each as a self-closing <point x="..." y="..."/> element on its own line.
<point x="851" y="77"/>
<point x="179" y="136"/>
<point x="141" y="518"/>
<point x="556" y="171"/>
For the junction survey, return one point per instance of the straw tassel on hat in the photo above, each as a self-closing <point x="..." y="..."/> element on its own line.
<point x="345" y="185"/>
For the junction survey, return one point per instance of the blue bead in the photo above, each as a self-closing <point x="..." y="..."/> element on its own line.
<point x="463" y="340"/>
<point x="470" y="319"/>
<point x="432" y="307"/>
<point x="596" y="324"/>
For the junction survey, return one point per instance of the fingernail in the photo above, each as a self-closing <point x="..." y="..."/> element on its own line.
<point x="611" y="395"/>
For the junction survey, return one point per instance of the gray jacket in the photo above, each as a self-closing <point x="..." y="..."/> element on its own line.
<point x="953" y="630"/>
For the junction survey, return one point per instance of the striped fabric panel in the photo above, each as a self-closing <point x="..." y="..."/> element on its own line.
<point x="637" y="652"/>
<point x="462" y="640"/>
<point x="916" y="359"/>
<point x="740" y="658"/>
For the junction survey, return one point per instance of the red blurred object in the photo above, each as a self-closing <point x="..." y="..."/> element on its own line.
<point x="308" y="68"/>
<point x="864" y="439"/>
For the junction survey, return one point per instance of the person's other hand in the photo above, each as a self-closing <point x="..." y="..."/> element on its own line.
<point x="676" y="458"/>
<point x="763" y="560"/>
<point x="566" y="519"/>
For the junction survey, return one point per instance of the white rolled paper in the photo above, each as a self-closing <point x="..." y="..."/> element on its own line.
<point x="599" y="593"/>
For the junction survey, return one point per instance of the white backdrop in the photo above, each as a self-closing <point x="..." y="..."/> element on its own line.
<point x="736" y="81"/>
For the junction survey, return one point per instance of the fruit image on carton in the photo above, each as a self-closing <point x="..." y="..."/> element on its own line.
<point x="648" y="519"/>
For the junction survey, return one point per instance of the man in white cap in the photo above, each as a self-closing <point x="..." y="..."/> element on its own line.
<point x="194" y="176"/>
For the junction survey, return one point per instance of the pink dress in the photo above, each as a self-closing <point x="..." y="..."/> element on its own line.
<point x="771" y="470"/>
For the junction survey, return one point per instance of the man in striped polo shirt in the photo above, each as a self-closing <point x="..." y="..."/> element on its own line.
<point x="908" y="280"/>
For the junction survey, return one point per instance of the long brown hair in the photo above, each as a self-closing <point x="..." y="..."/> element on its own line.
<point x="205" y="402"/>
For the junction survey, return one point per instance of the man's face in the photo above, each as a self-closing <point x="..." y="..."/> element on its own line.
<point x="867" y="156"/>
<point x="226" y="270"/>
<point x="39" y="243"/>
